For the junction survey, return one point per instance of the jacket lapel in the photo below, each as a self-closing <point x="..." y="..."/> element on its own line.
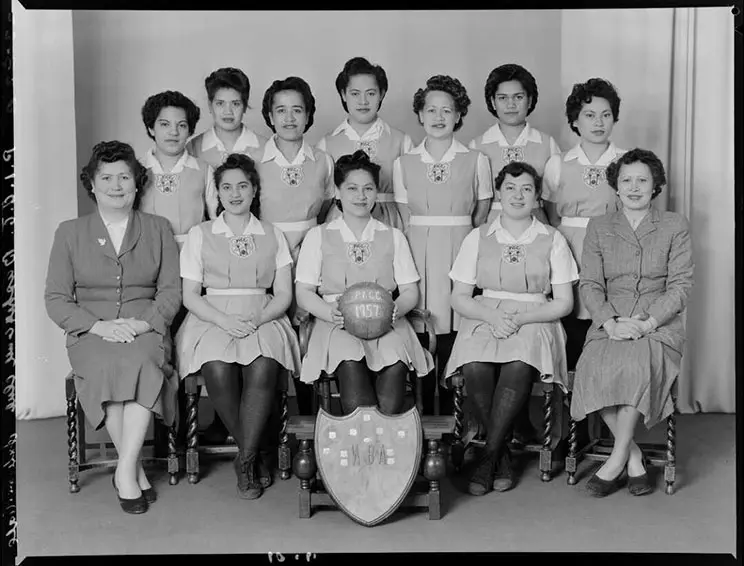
<point x="132" y="234"/>
<point x="622" y="228"/>
<point x="100" y="236"/>
<point x="648" y="224"/>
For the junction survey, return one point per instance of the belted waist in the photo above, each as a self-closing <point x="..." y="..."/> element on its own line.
<point x="385" y="197"/>
<point x="299" y="226"/>
<point x="575" y="221"/>
<point x="440" y="221"/>
<point x="235" y="291"/>
<point x="496" y="205"/>
<point x="524" y="297"/>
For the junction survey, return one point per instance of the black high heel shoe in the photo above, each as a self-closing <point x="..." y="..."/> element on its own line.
<point x="598" y="487"/>
<point x="640" y="485"/>
<point x="133" y="506"/>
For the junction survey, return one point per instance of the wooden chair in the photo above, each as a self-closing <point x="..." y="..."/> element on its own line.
<point x="599" y="449"/>
<point x="423" y="494"/>
<point x="77" y="447"/>
<point x="194" y="448"/>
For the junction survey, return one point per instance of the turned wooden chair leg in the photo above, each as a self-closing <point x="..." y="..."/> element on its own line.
<point x="325" y="394"/>
<point x="304" y="468"/>
<point x="572" y="450"/>
<point x="546" y="454"/>
<point x="458" y="449"/>
<point x="284" y="457"/>
<point x="73" y="467"/>
<point x="670" y="468"/>
<point x="192" y="440"/>
<point x="434" y="470"/>
<point x="173" y="467"/>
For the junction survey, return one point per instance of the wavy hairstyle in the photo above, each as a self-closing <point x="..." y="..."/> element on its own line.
<point x="228" y="77"/>
<point x="170" y="98"/>
<point x="583" y="93"/>
<point x="290" y="83"/>
<point x="360" y="66"/>
<point x="639" y="155"/>
<point x="247" y="166"/>
<point x="111" y="152"/>
<point x="450" y="85"/>
<point x="510" y="72"/>
<point x="515" y="169"/>
<point x="358" y="161"/>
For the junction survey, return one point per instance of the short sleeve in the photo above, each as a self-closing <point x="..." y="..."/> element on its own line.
<point x="310" y="258"/>
<point x="485" y="181"/>
<point x="322" y="144"/>
<point x="283" y="257"/>
<point x="464" y="268"/>
<point x="399" y="189"/>
<point x="191" y="263"/>
<point x="330" y="187"/>
<point x="404" y="268"/>
<point x="554" y="148"/>
<point x="407" y="143"/>
<point x="563" y="268"/>
<point x="210" y="194"/>
<point x="552" y="178"/>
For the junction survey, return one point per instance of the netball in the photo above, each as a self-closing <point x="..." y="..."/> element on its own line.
<point x="367" y="309"/>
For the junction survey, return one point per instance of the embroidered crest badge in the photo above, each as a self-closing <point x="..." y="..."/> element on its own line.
<point x="594" y="176"/>
<point x="242" y="246"/>
<point x="223" y="156"/>
<point x="369" y="147"/>
<point x="513" y="253"/>
<point x="167" y="183"/>
<point x="510" y="154"/>
<point x="438" y="173"/>
<point x="359" y="252"/>
<point x="292" y="176"/>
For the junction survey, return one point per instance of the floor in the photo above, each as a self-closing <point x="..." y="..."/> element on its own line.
<point x="699" y="518"/>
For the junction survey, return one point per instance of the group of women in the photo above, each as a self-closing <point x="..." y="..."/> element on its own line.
<point x="486" y="237"/>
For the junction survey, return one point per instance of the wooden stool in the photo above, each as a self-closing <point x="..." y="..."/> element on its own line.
<point x="193" y="448"/>
<point x="77" y="447"/>
<point x="422" y="495"/>
<point x="599" y="449"/>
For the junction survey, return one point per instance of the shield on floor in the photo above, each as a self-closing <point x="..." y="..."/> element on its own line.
<point x="368" y="461"/>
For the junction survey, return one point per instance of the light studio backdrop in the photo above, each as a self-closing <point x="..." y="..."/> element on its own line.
<point x="82" y="76"/>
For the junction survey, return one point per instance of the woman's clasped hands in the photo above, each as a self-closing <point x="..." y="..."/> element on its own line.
<point x="122" y="330"/>
<point x="238" y="326"/>
<point x="629" y="328"/>
<point x="502" y="323"/>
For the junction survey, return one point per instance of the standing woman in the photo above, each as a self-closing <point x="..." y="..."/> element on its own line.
<point x="511" y="96"/>
<point x="443" y="190"/>
<point x="510" y="335"/>
<point x="113" y="287"/>
<point x="362" y="88"/>
<point x="575" y="186"/>
<point x="351" y="249"/>
<point x="237" y="335"/>
<point x="636" y="277"/>
<point x="228" y="90"/>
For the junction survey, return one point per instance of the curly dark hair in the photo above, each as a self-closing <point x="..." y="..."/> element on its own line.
<point x="290" y="83"/>
<point x="583" y="93"/>
<point x="359" y="160"/>
<point x="638" y="155"/>
<point x="111" y="152"/>
<point x="510" y="72"/>
<point x="360" y="66"/>
<point x="451" y="86"/>
<point x="247" y="166"/>
<point x="515" y="169"/>
<point x="170" y="98"/>
<point x="228" y="77"/>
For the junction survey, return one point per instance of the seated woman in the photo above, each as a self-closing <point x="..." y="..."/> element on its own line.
<point x="636" y="277"/>
<point x="237" y="335"/>
<point x="113" y="287"/>
<point x="510" y="335"/>
<point x="325" y="268"/>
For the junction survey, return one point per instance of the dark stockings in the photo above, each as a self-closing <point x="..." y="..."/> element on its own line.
<point x="245" y="402"/>
<point x="357" y="389"/>
<point x="498" y="392"/>
<point x="445" y="342"/>
<point x="576" y="330"/>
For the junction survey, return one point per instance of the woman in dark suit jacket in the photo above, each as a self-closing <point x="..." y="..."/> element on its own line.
<point x="636" y="277"/>
<point x="113" y="286"/>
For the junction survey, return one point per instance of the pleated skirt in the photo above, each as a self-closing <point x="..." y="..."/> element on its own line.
<point x="329" y="345"/>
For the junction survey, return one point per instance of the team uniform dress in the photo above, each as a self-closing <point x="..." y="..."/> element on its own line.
<point x="441" y="197"/>
<point x="236" y="272"/>
<point x="531" y="146"/>
<point x="333" y="259"/>
<point x="580" y="191"/>
<point x="515" y="274"/>
<point x="625" y="273"/>
<point x="210" y="149"/>
<point x="184" y="196"/>
<point x="100" y="272"/>
<point x="384" y="145"/>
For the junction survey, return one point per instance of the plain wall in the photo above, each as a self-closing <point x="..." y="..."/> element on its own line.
<point x="121" y="58"/>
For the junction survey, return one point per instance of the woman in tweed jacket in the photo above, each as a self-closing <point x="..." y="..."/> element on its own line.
<point x="636" y="277"/>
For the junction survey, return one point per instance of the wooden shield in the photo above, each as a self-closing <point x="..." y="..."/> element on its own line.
<point x="368" y="460"/>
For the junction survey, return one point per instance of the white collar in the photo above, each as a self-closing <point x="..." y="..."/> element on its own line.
<point x="368" y="234"/>
<point x="504" y="236"/>
<point x="455" y="148"/>
<point x="186" y="160"/>
<point x="495" y="135"/>
<point x="246" y="139"/>
<point x="373" y="132"/>
<point x="219" y="226"/>
<point x="271" y="151"/>
<point x="577" y="152"/>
